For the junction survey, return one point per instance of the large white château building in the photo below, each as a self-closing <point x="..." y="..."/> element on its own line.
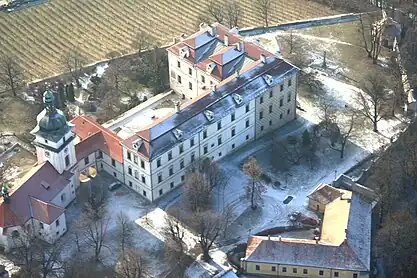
<point x="232" y="93"/>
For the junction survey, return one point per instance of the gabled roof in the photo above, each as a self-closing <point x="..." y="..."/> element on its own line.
<point x="44" y="211"/>
<point x="345" y="240"/>
<point x="303" y="253"/>
<point x="7" y="217"/>
<point x="325" y="194"/>
<point x="42" y="182"/>
<point x="204" y="49"/>
<point x="158" y="137"/>
<point x="95" y="137"/>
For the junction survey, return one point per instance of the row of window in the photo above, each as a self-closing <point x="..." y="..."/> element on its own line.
<point x="261" y="113"/>
<point x="135" y="160"/>
<point x="281" y="101"/>
<point x="305" y="271"/>
<point x="161" y="191"/>
<point x="136" y="175"/>
<point x="171" y="168"/>
<point x="219" y="142"/>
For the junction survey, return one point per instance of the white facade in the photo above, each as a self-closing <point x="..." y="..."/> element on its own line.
<point x="276" y="106"/>
<point x="186" y="79"/>
<point x="65" y="197"/>
<point x="102" y="162"/>
<point x="60" y="154"/>
<point x="155" y="178"/>
<point x="50" y="233"/>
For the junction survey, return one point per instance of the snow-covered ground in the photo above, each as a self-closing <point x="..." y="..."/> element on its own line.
<point x="298" y="181"/>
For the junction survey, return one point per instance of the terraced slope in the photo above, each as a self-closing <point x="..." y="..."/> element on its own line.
<point x="39" y="35"/>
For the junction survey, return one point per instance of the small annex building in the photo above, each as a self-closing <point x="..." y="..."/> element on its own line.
<point x="342" y="250"/>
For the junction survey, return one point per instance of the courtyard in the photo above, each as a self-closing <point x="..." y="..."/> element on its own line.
<point x="287" y="187"/>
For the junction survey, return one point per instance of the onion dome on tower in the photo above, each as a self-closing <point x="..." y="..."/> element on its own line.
<point x="52" y="123"/>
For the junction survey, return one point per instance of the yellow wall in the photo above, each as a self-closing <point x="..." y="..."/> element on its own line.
<point x="313" y="205"/>
<point x="266" y="269"/>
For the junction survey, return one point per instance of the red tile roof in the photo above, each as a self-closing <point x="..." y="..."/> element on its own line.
<point x="145" y="148"/>
<point x="42" y="182"/>
<point x="45" y="212"/>
<point x="251" y="49"/>
<point x="95" y="137"/>
<point x="7" y="217"/>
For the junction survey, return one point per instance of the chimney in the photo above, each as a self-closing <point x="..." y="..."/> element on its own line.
<point x="239" y="46"/>
<point x="177" y="107"/>
<point x="226" y="39"/>
<point x="263" y="58"/>
<point x="269" y="237"/>
<point x="203" y="26"/>
<point x="211" y="31"/>
<point x="316" y="238"/>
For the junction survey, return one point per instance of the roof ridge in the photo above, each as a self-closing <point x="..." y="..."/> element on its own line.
<point x="101" y="128"/>
<point x="347" y="245"/>
<point x="29" y="174"/>
<point x="222" y="83"/>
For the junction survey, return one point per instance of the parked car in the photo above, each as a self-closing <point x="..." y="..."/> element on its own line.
<point x="295" y="216"/>
<point x="113" y="186"/>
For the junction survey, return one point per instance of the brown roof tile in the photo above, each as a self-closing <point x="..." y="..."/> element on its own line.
<point x="325" y="194"/>
<point x="45" y="212"/>
<point x="42" y="182"/>
<point x="96" y="137"/>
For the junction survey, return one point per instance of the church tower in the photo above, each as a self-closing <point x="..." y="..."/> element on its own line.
<point x="54" y="136"/>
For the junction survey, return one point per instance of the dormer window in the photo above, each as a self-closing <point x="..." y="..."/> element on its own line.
<point x="210" y="67"/>
<point x="268" y="79"/>
<point x="178" y="134"/>
<point x="137" y="144"/>
<point x="184" y="52"/>
<point x="209" y="115"/>
<point x="237" y="98"/>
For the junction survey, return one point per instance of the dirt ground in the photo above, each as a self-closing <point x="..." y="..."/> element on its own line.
<point x="17" y="115"/>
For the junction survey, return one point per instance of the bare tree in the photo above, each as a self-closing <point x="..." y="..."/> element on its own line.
<point x="328" y="111"/>
<point x="73" y="62"/>
<point x="25" y="253"/>
<point x="215" y="9"/>
<point x="116" y="77"/>
<point x="372" y="98"/>
<point x="80" y="266"/>
<point x="197" y="192"/>
<point x="49" y="258"/>
<point x="174" y="229"/>
<point x="94" y="232"/>
<point x="124" y="231"/>
<point x="255" y="188"/>
<point x="214" y="174"/>
<point x="94" y="221"/>
<point x="37" y="257"/>
<point x="264" y="8"/>
<point x="175" y="254"/>
<point x="291" y="42"/>
<point x="208" y="226"/>
<point x="233" y="13"/>
<point x="11" y="74"/>
<point x="343" y="131"/>
<point x="143" y="41"/>
<point x="131" y="264"/>
<point x="372" y="35"/>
